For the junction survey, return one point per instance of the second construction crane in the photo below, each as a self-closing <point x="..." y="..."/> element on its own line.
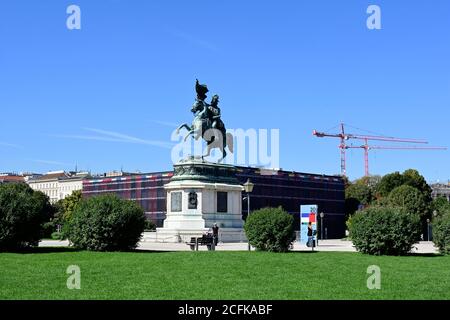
<point x="344" y="137"/>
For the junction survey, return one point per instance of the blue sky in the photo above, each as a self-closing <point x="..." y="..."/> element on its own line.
<point x="106" y="96"/>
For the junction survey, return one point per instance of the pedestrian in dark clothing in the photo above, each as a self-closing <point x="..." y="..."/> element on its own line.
<point x="215" y="229"/>
<point x="310" y="235"/>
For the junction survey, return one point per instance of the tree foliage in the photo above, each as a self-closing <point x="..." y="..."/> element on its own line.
<point x="23" y="211"/>
<point x="360" y="192"/>
<point x="270" y="229"/>
<point x="441" y="206"/>
<point x="67" y="205"/>
<point x="105" y="223"/>
<point x="410" y="177"/>
<point x="388" y="183"/>
<point x="369" y="181"/>
<point x="414" y="179"/>
<point x="411" y="199"/>
<point x="356" y="194"/>
<point x="441" y="233"/>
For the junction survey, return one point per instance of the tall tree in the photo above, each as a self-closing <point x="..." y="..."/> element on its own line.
<point x="414" y="179"/>
<point x="67" y="205"/>
<point x="388" y="183"/>
<point x="411" y="199"/>
<point x="357" y="194"/>
<point x="441" y="206"/>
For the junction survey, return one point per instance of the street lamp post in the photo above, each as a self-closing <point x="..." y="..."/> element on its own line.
<point x="321" y="226"/>
<point x="248" y="187"/>
<point x="435" y="213"/>
<point x="428" y="229"/>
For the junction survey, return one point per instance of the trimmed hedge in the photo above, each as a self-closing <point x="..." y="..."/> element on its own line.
<point x="385" y="231"/>
<point x="105" y="223"/>
<point x="441" y="233"/>
<point x="23" y="211"/>
<point x="270" y="229"/>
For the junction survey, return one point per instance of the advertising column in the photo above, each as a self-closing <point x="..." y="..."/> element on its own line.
<point x="308" y="214"/>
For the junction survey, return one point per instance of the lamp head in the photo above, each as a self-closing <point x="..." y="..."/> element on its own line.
<point x="248" y="186"/>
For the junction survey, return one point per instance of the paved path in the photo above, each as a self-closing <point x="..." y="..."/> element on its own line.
<point x="324" y="245"/>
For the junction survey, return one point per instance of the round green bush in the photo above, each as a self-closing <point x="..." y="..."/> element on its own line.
<point x="105" y="223"/>
<point x="441" y="233"/>
<point x="23" y="211"/>
<point x="385" y="231"/>
<point x="270" y="229"/>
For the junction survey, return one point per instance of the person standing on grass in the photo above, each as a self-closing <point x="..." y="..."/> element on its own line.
<point x="215" y="229"/>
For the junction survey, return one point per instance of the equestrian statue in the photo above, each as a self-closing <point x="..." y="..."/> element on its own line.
<point x="208" y="124"/>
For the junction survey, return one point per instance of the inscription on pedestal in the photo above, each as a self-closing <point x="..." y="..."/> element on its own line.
<point x="176" y="201"/>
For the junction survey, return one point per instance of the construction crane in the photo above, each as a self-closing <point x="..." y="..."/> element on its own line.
<point x="344" y="137"/>
<point x="366" y="148"/>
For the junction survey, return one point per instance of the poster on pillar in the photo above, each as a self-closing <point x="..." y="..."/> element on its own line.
<point x="308" y="214"/>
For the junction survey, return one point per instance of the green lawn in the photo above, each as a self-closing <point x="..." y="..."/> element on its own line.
<point x="221" y="275"/>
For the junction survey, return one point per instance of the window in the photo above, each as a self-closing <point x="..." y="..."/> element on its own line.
<point x="222" y="201"/>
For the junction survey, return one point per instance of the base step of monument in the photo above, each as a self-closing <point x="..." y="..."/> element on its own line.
<point x="226" y="235"/>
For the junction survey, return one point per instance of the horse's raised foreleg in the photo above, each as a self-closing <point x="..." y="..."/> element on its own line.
<point x="184" y="125"/>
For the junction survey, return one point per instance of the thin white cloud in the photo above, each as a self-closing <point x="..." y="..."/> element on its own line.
<point x="111" y="136"/>
<point x="10" y="145"/>
<point x="166" y="124"/>
<point x="192" y="40"/>
<point x="81" y="137"/>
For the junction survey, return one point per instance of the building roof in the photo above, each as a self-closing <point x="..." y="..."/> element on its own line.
<point x="8" y="177"/>
<point x="241" y="171"/>
<point x="75" y="177"/>
<point x="49" y="176"/>
<point x="285" y="173"/>
<point x="131" y="177"/>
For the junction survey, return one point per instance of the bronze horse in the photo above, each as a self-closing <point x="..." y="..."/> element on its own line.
<point x="202" y="127"/>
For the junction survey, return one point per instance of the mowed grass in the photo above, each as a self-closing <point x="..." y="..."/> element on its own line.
<point x="221" y="275"/>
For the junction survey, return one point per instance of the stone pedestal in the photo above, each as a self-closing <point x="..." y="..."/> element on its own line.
<point x="199" y="195"/>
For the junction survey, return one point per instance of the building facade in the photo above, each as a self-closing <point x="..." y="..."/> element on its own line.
<point x="69" y="184"/>
<point x="273" y="188"/>
<point x="290" y="190"/>
<point x="146" y="189"/>
<point x="58" y="184"/>
<point x="441" y="190"/>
